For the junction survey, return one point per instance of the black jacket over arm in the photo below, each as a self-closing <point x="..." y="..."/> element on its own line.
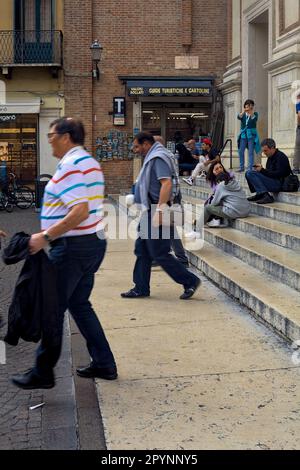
<point x="33" y="312"/>
<point x="278" y="166"/>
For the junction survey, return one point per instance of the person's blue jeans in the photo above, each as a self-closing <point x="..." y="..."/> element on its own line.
<point x="262" y="184"/>
<point x="77" y="260"/>
<point x="158" y="249"/>
<point x="187" y="166"/>
<point x="244" y="143"/>
<point x="177" y="247"/>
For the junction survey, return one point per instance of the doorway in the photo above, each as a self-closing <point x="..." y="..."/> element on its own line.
<point x="33" y="31"/>
<point x="258" y="75"/>
<point x="171" y="120"/>
<point x="18" y="144"/>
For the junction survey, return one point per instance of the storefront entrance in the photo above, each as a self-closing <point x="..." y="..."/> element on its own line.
<point x="18" y="144"/>
<point x="176" y="121"/>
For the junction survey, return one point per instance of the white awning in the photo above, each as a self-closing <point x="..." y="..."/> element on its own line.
<point x="21" y="105"/>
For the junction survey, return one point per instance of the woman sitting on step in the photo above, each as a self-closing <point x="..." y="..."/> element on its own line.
<point x="214" y="170"/>
<point x="228" y="203"/>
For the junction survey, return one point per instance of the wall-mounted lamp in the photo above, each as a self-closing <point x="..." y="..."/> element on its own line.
<point x="96" y="50"/>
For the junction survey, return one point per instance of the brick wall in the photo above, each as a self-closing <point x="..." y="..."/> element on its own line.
<point x="118" y="176"/>
<point x="138" y="38"/>
<point x="77" y="63"/>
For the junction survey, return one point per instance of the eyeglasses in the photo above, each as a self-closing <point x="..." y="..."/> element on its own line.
<point x="51" y="134"/>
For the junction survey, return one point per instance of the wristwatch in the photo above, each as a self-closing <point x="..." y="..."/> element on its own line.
<point x="47" y="236"/>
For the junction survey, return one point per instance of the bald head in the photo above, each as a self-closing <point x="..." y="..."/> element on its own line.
<point x="158" y="138"/>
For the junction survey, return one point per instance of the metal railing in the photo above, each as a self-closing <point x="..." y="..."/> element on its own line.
<point x="228" y="141"/>
<point x="30" y="47"/>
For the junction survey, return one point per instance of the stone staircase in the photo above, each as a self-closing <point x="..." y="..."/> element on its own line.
<point x="257" y="259"/>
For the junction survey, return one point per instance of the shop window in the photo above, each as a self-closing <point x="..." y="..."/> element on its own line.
<point x="18" y="144"/>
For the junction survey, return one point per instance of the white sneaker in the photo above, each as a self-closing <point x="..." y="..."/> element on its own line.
<point x="214" y="223"/>
<point x="188" y="180"/>
<point x="202" y="174"/>
<point x="192" y="235"/>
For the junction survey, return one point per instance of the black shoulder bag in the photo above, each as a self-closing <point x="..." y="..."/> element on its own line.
<point x="290" y="183"/>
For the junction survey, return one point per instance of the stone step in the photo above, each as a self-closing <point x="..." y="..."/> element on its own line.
<point x="276" y="304"/>
<point x="288" y="198"/>
<point x="279" y="233"/>
<point x="281" y="263"/>
<point x="282" y="212"/>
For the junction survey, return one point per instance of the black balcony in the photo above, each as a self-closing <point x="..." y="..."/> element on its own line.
<point x="21" y="48"/>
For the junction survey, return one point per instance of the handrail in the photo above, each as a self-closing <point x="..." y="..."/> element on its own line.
<point x="230" y="150"/>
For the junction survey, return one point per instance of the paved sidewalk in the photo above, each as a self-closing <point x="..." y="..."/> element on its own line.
<point x="53" y="426"/>
<point x="198" y="374"/>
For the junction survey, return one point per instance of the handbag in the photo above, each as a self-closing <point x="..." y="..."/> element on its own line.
<point x="290" y="183"/>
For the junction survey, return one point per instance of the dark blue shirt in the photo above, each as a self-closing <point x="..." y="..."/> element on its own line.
<point x="160" y="170"/>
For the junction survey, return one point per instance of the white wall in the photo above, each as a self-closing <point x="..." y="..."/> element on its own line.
<point x="236" y="28"/>
<point x="283" y="109"/>
<point x="291" y="12"/>
<point x="47" y="163"/>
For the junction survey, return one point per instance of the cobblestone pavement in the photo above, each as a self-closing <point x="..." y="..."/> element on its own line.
<point x="70" y="418"/>
<point x="19" y="427"/>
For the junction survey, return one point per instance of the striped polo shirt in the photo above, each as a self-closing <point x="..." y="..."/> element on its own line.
<point x="78" y="178"/>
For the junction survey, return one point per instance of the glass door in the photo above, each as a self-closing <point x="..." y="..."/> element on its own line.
<point x="152" y="120"/>
<point x="34" y="26"/>
<point x="18" y="144"/>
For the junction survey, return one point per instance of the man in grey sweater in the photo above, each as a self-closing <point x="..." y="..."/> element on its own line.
<point x="153" y="193"/>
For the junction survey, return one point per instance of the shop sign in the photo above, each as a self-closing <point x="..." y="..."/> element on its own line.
<point x="7" y="117"/>
<point x="119" y="111"/>
<point x="169" y="91"/>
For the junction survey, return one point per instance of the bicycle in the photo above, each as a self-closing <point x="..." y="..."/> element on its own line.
<point x="5" y="204"/>
<point x="19" y="195"/>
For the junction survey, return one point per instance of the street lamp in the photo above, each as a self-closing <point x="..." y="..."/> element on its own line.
<point x="96" y="50"/>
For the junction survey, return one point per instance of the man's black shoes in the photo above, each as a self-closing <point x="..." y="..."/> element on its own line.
<point x="266" y="199"/>
<point x="30" y="380"/>
<point x="133" y="294"/>
<point x="256" y="197"/>
<point x="91" y="372"/>
<point x="188" y="293"/>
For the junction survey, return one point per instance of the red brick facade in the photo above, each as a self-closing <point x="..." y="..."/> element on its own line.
<point x="138" y="39"/>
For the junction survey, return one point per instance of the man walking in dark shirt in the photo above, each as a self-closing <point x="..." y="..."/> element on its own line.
<point x="264" y="180"/>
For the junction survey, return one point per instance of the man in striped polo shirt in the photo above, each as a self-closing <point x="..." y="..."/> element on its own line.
<point x="71" y="215"/>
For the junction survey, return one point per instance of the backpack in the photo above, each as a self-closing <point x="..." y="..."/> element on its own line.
<point x="290" y="183"/>
<point x="176" y="196"/>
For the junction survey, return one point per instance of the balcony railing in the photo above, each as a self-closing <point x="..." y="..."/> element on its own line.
<point x="30" y="48"/>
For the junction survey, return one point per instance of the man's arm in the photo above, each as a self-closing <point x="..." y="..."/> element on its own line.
<point x="281" y="169"/>
<point x="165" y="191"/>
<point x="75" y="217"/>
<point x="217" y="159"/>
<point x="164" y="198"/>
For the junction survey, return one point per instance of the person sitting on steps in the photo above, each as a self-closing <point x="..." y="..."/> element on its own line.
<point x="210" y="155"/>
<point x="229" y="202"/>
<point x="265" y="180"/>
